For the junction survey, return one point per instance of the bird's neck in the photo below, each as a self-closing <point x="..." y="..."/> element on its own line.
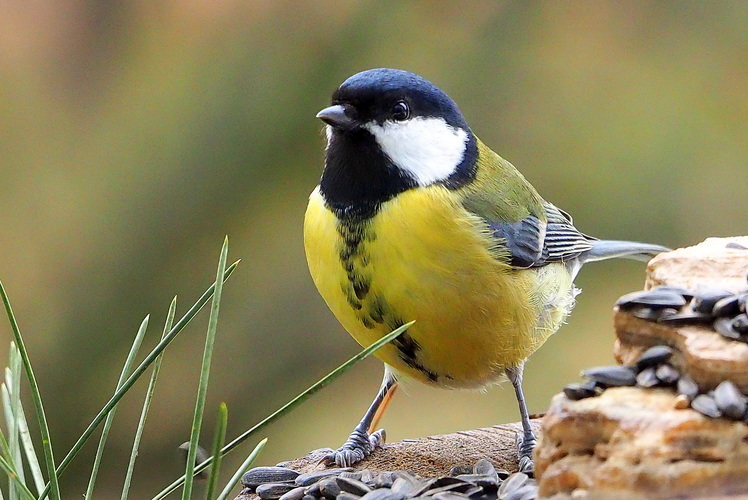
<point x="358" y="177"/>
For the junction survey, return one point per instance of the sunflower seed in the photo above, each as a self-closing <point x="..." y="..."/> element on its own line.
<point x="686" y="318"/>
<point x="730" y="401"/>
<point x="527" y="492"/>
<point x="743" y="302"/>
<point x="512" y="483"/>
<point x="294" y="494"/>
<point x="740" y="324"/>
<point x="654" y="356"/>
<point x="309" y="497"/>
<point x="367" y="477"/>
<point x="459" y="470"/>
<point x="261" y="475"/>
<point x="684" y="292"/>
<point x="667" y="373"/>
<point x="329" y="488"/>
<point x="735" y="246"/>
<point x="352" y="486"/>
<point x="687" y="387"/>
<point x="483" y="480"/>
<point x="724" y="327"/>
<point x="351" y="475"/>
<point x="382" y="480"/>
<point x="647" y="377"/>
<point x="484" y="467"/>
<point x="611" y="375"/>
<point x="654" y="298"/>
<point x="654" y="314"/>
<point x="403" y="486"/>
<point x="450" y="495"/>
<point x="312" y="477"/>
<point x="347" y="496"/>
<point x="706" y="298"/>
<point x="382" y="494"/>
<point x="272" y="491"/>
<point x="706" y="405"/>
<point x="575" y="392"/>
<point x="729" y="306"/>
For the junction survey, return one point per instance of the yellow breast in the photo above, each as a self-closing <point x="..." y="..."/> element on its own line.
<point x="423" y="257"/>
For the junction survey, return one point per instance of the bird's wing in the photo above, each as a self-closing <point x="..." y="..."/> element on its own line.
<point x="532" y="242"/>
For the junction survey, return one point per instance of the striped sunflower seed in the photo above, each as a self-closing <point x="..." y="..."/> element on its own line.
<point x="687" y="387"/>
<point x="575" y="391"/>
<point x="654" y="356"/>
<point x="329" y="488"/>
<point x="273" y="491"/>
<point x="526" y="492"/>
<point x="706" y="298"/>
<point x="347" y="496"/>
<point x="730" y="401"/>
<point x="309" y="478"/>
<point x="512" y="483"/>
<point x="612" y="376"/>
<point x="647" y="378"/>
<point x="724" y="327"/>
<point x="728" y="306"/>
<point x="382" y="494"/>
<point x="261" y="475"/>
<point x="294" y="494"/>
<point x="654" y="313"/>
<point x="706" y="405"/>
<point x="740" y="324"/>
<point x="354" y="486"/>
<point x="667" y="373"/>
<point x="654" y="298"/>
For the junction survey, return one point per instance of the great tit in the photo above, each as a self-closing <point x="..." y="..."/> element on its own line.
<point x="416" y="219"/>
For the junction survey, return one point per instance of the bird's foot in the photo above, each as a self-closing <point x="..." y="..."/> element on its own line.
<point x="360" y="444"/>
<point x="525" y="446"/>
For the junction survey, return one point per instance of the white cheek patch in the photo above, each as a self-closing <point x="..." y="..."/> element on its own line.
<point x="429" y="149"/>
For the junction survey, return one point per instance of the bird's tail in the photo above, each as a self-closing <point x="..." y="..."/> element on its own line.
<point x="610" y="249"/>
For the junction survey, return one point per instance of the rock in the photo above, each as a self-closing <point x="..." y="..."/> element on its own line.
<point x="633" y="441"/>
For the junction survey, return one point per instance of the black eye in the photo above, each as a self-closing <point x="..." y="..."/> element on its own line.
<point x="400" y="111"/>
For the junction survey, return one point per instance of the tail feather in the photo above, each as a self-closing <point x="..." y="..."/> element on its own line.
<point x="610" y="249"/>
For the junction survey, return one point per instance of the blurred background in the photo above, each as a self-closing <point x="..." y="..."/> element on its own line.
<point x="135" y="135"/>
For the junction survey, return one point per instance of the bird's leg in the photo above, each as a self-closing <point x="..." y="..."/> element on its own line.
<point x="525" y="442"/>
<point x="364" y="440"/>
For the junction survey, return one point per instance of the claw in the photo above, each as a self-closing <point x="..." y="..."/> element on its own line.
<point x="525" y="446"/>
<point x="360" y="444"/>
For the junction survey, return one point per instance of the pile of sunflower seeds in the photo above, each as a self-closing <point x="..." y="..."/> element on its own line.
<point x="653" y="369"/>
<point x="724" y="310"/>
<point x="480" y="482"/>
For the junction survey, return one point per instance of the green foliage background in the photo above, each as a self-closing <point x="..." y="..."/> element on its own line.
<point x="134" y="135"/>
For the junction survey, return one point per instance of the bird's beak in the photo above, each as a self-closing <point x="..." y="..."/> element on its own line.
<point x="338" y="116"/>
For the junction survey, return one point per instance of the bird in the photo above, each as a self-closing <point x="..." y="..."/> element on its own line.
<point x="416" y="219"/>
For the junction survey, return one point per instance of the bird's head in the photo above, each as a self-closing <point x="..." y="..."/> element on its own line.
<point x="396" y="130"/>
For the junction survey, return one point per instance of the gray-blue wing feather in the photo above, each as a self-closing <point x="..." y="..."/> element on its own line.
<point x="534" y="243"/>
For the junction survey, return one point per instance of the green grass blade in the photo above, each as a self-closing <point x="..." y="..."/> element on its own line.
<point x="9" y="447"/>
<point x="18" y="484"/>
<point x="241" y="470"/>
<point x="288" y="407"/>
<point x="218" y="439"/>
<point x="147" y="402"/>
<point x="29" y="451"/>
<point x="110" y="416"/>
<point x="202" y="388"/>
<point x="142" y="367"/>
<point x="13" y="381"/>
<point x="54" y="486"/>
